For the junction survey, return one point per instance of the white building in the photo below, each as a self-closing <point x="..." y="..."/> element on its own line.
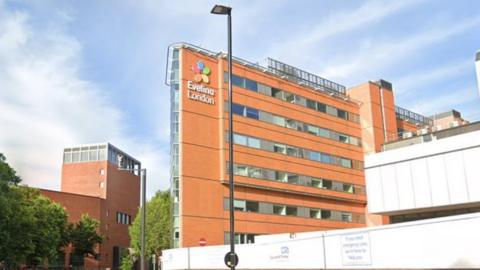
<point x="432" y="175"/>
<point x="477" y="67"/>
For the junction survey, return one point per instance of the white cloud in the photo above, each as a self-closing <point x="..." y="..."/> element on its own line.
<point x="424" y="78"/>
<point x="378" y="55"/>
<point x="45" y="105"/>
<point x="337" y="23"/>
<point x="444" y="102"/>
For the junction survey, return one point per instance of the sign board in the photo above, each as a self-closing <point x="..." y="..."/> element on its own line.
<point x="202" y="242"/>
<point x="356" y="249"/>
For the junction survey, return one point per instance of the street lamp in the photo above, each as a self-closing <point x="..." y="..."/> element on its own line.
<point x="143" y="206"/>
<point x="231" y="259"/>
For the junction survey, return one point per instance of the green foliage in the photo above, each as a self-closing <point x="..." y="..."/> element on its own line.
<point x="31" y="227"/>
<point x="83" y="235"/>
<point x="127" y="263"/>
<point x="7" y="173"/>
<point x="158" y="226"/>
<point x="16" y="227"/>
<point x="50" y="221"/>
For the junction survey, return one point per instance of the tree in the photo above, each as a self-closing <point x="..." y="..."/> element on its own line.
<point x="31" y="227"/>
<point x="83" y="236"/>
<point x="50" y="222"/>
<point x="7" y="173"/>
<point x="158" y="226"/>
<point x="16" y="227"/>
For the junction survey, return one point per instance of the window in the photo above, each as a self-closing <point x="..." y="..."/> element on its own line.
<point x="252" y="113"/>
<point x="255" y="172"/>
<point x="316" y="182"/>
<point x="238" y="81"/>
<point x="326" y="158"/>
<point x="238" y="109"/>
<point x="292" y="124"/>
<point x="280" y="121"/>
<point x="322" y="107"/>
<point x="251" y="206"/>
<point x="291" y="211"/>
<point x="348" y="188"/>
<point x="279" y="148"/>
<point x="239" y="139"/>
<point x="277" y="93"/>
<point x="254" y="142"/>
<point x="342" y="114"/>
<point x="343" y="138"/>
<point x="289" y="97"/>
<point x="292" y="151"/>
<point x="314" y="156"/>
<point x="346" y="163"/>
<point x="251" y="85"/>
<point x="280" y="176"/>
<point x="311" y="104"/>
<point x="327" y="184"/>
<point x="279" y="209"/>
<point x="312" y="130"/>
<point x="123" y="218"/>
<point x="240" y="170"/>
<point x="314" y="213"/>
<point x="293" y="178"/>
<point x="326" y="214"/>
<point x="300" y="101"/>
<point x="346" y="216"/>
<point x="324" y="133"/>
<point x="332" y="110"/>
<point x="239" y="205"/>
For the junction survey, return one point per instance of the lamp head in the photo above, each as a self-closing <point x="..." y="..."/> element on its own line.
<point x="221" y="10"/>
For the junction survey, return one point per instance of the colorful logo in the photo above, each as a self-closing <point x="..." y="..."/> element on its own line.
<point x="201" y="72"/>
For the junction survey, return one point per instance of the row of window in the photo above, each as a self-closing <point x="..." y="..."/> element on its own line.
<point x="174" y="139"/>
<point x="296" y="151"/>
<point x="123" y="218"/>
<point x="293" y="124"/>
<point x="296" y="211"/>
<point x="291" y="98"/>
<point x="85" y="154"/>
<point x="295" y="179"/>
<point x="240" y="238"/>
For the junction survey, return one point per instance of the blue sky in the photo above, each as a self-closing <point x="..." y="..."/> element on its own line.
<point x="75" y="72"/>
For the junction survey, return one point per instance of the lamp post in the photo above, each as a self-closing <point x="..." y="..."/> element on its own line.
<point x="143" y="206"/>
<point x="231" y="259"/>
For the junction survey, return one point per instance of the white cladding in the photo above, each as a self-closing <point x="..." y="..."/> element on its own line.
<point x="439" y="173"/>
<point x="477" y="67"/>
<point x="449" y="242"/>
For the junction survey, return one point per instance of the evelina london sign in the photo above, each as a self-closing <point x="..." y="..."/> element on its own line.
<point x="197" y="91"/>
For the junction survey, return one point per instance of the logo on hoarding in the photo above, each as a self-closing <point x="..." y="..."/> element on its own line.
<point x="201" y="72"/>
<point x="282" y="256"/>
<point x="195" y="89"/>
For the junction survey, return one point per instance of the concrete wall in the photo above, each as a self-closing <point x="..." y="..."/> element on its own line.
<point x="438" y="174"/>
<point x="449" y="242"/>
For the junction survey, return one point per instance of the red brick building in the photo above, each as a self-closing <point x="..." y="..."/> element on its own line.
<point x="93" y="184"/>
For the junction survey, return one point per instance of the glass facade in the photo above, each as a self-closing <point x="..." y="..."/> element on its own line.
<point x="174" y="138"/>
<point x="101" y="152"/>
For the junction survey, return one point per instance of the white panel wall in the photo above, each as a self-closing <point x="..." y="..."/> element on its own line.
<point x="438" y="173"/>
<point x="471" y="158"/>
<point x="450" y="242"/>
